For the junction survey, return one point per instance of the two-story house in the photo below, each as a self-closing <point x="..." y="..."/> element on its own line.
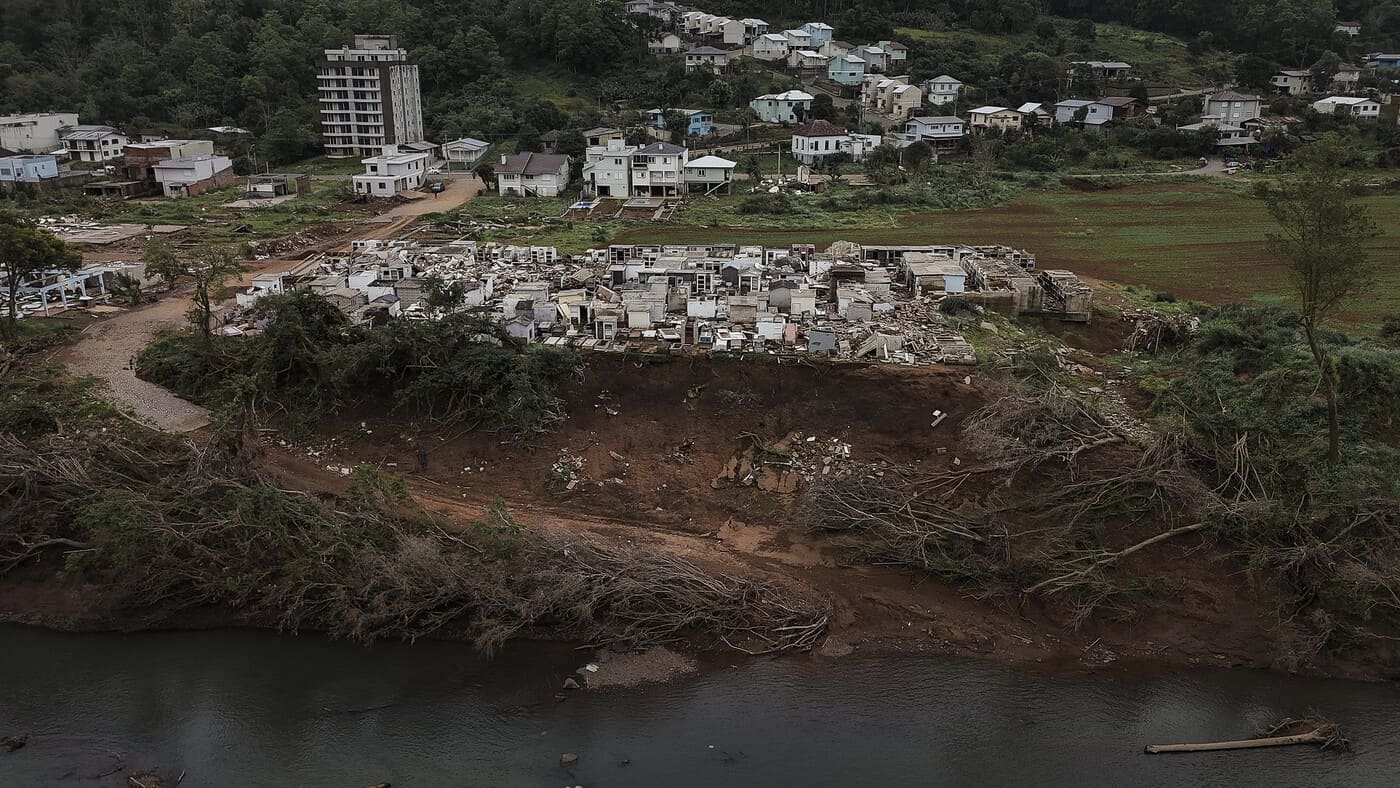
<point x="940" y="131"/>
<point x="607" y="169"/>
<point x="1292" y="82"/>
<point x="819" y="139"/>
<point x="846" y="69"/>
<point x="532" y="175"/>
<point x="941" y="90"/>
<point x="789" y="106"/>
<point x="771" y="47"/>
<point x="897" y="52"/>
<point x="820" y="33"/>
<point x="699" y="122"/>
<point x="876" y="58"/>
<point x="1232" y="107"/>
<point x="658" y="170"/>
<point x="985" y="118"/>
<point x="806" y="60"/>
<point x="94" y="144"/>
<point x="706" y="58"/>
<point x="394" y="170"/>
<point x="709" y="175"/>
<point x="798" y="39"/>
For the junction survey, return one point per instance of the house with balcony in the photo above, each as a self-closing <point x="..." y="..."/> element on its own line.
<point x="532" y="175"/>
<point x="984" y="119"/>
<point x="753" y="28"/>
<point x="607" y="169"/>
<point x="806" y="60"/>
<point x="464" y="154"/>
<point x="941" y="131"/>
<point x="1292" y="82"/>
<point x="658" y="170"/>
<point x="707" y="58"/>
<point x="876" y="59"/>
<point x="92" y="144"/>
<point x="897" y="52"/>
<point x="790" y="106"/>
<point x="941" y="90"/>
<point x="798" y="39"/>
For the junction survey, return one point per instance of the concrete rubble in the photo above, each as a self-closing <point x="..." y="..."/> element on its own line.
<point x="849" y="302"/>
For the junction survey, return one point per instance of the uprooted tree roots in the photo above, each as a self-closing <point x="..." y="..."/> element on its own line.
<point x="1033" y="519"/>
<point x="172" y="526"/>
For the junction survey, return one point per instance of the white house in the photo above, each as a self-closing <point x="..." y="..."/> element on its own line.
<point x="1035" y="112"/>
<point x="1355" y="106"/>
<point x="36" y="132"/>
<point x="1227" y="134"/>
<point x="1103" y="69"/>
<point x="787" y="107"/>
<point x="658" y="170"/>
<point x="392" y="171"/>
<point x="798" y="39"/>
<point x="1095" y="114"/>
<point x="706" y="59"/>
<point x="753" y="28"/>
<point x="532" y="175"/>
<point x="819" y="139"/>
<point x="941" y="90"/>
<point x="875" y="57"/>
<point x="1348" y="28"/>
<point x="465" y="153"/>
<point x="1293" y="82"/>
<point x="92" y="143"/>
<point x="1232" y="107"/>
<point x="771" y="46"/>
<point x="193" y="175"/>
<point x="820" y="32"/>
<point x="709" y="175"/>
<point x="607" y="169"/>
<point x="1346" y="79"/>
<point x="806" y="60"/>
<point x="667" y="43"/>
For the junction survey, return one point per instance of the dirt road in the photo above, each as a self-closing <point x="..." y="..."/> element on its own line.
<point x="460" y="190"/>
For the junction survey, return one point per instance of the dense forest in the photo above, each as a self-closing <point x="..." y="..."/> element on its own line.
<point x="519" y="67"/>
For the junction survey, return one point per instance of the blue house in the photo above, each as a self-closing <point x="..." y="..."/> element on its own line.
<point x="1385" y="61"/>
<point x="846" y="69"/>
<point x="702" y="121"/>
<point x="820" y="32"/>
<point x="28" y="168"/>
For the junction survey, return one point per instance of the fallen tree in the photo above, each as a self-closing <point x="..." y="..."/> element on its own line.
<point x="170" y="526"/>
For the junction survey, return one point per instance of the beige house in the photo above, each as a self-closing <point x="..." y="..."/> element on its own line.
<point x="984" y="118"/>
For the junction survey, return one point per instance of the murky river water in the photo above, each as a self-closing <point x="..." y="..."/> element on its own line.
<point x="234" y="708"/>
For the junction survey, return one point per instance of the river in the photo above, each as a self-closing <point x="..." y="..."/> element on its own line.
<point x="238" y="708"/>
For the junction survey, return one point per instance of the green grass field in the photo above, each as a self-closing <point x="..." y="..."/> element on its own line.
<point x="1155" y="57"/>
<point x="1194" y="239"/>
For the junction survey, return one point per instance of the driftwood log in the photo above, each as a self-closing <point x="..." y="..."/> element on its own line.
<point x="1308" y="731"/>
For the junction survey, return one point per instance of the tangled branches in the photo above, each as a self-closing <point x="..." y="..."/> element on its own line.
<point x="1024" y="429"/>
<point x="172" y="526"/>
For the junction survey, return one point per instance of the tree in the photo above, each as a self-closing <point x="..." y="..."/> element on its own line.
<point x="211" y="269"/>
<point x="677" y="124"/>
<point x="823" y="108"/>
<point x="128" y="287"/>
<point x="1321" y="240"/>
<point x="1084" y="30"/>
<point x="26" y="250"/>
<point x="1324" y="70"/>
<point x="753" y="169"/>
<point x="161" y="261"/>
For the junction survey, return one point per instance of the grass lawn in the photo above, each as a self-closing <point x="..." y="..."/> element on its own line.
<point x="325" y="165"/>
<point x="319" y="206"/>
<point x="1155" y="57"/>
<point x="1191" y="238"/>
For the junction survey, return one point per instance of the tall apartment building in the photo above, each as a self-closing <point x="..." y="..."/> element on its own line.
<point x="369" y="97"/>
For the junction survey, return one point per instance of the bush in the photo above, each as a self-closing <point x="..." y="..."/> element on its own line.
<point x="775" y="204"/>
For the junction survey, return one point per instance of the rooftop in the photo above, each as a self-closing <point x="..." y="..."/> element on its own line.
<point x="818" y="128"/>
<point x="532" y="163"/>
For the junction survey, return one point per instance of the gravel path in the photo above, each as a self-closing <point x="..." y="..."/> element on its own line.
<point x="106" y="350"/>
